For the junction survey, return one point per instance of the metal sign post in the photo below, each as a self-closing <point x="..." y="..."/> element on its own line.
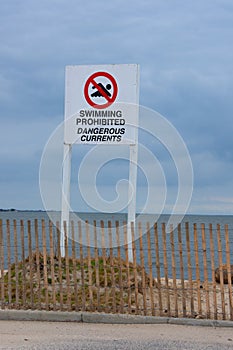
<point x="65" y="209"/>
<point x="101" y="107"/>
<point x="132" y="203"/>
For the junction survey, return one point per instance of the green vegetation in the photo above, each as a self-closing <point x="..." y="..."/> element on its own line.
<point x="98" y="283"/>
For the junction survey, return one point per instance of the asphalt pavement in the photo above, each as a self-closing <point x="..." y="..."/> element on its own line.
<point x="74" y="335"/>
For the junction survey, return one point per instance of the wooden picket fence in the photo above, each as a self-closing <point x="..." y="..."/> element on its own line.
<point x="161" y="274"/>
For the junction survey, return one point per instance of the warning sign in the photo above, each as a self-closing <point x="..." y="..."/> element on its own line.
<point x="100" y="90"/>
<point x="101" y="104"/>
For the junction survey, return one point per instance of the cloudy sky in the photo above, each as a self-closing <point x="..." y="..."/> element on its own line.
<point x="185" y="52"/>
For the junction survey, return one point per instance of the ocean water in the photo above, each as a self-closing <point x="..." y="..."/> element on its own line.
<point x="146" y="221"/>
<point x="120" y="217"/>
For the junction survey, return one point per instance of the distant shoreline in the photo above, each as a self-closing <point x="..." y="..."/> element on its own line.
<point x="85" y="212"/>
<point x="21" y="210"/>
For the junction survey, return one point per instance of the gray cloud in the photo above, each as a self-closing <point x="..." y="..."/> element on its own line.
<point x="185" y="52"/>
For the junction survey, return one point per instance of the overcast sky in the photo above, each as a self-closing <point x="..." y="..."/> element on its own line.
<point x="185" y="52"/>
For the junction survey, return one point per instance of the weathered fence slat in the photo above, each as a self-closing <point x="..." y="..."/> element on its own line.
<point x="190" y="272"/>
<point x="214" y="292"/>
<point x="45" y="265"/>
<point x="97" y="274"/>
<point x="119" y="266"/>
<point x="167" y="288"/>
<point x="183" y="291"/>
<point x="2" y="267"/>
<point x="150" y="269"/>
<point x="82" y="266"/>
<point x="135" y="268"/>
<point x="38" y="295"/>
<point x="32" y="299"/>
<point x="105" y="306"/>
<point x="16" y="264"/>
<point x="67" y="264"/>
<point x="174" y="270"/>
<point x="74" y="266"/>
<point x="206" y="284"/>
<point x="221" y="271"/>
<point x="52" y="267"/>
<point x="8" y="233"/>
<point x="23" y="264"/>
<point x="112" y="267"/>
<point x="229" y="273"/>
<point x="89" y="266"/>
<point x="127" y="266"/>
<point x="157" y="259"/>
<point x="143" y="283"/>
<point x="58" y="231"/>
<point x="197" y="267"/>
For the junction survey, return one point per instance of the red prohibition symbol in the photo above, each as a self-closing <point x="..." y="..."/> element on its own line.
<point x="108" y="92"/>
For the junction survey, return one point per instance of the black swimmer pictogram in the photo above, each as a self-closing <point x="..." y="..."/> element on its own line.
<point x="103" y="88"/>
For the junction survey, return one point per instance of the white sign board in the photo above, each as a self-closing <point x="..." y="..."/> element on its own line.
<point x="101" y="104"/>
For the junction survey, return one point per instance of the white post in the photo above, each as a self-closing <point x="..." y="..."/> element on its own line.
<point x="65" y="209"/>
<point x="132" y="203"/>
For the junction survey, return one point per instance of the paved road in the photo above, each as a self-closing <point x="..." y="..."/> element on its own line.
<point x="57" y="335"/>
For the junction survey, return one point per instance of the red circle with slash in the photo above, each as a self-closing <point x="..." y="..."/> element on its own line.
<point x="103" y="93"/>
